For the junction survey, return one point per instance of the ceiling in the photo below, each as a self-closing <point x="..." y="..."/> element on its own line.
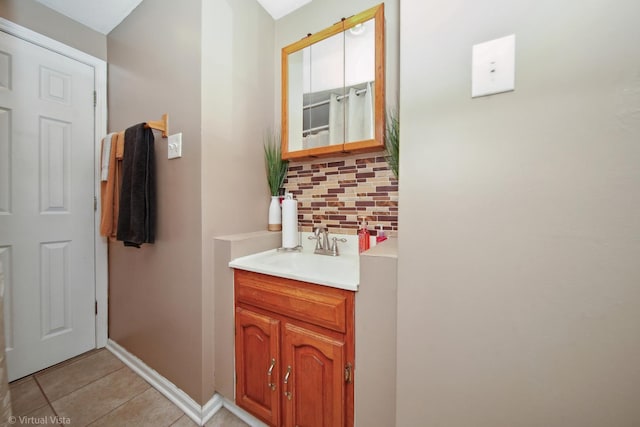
<point x="103" y="16"/>
<point x="279" y="8"/>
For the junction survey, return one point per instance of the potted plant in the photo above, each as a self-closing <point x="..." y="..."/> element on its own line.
<point x="276" y="169"/>
<point x="392" y="141"/>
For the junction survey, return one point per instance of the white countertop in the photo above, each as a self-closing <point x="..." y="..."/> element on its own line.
<point x="341" y="272"/>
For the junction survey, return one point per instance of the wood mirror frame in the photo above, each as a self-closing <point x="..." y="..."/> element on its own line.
<point x="346" y="147"/>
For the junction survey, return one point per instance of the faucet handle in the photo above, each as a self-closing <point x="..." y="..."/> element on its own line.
<point x="334" y="245"/>
<point x="318" y="238"/>
<point x="318" y="235"/>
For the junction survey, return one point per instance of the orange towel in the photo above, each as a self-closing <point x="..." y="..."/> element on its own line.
<point x="110" y="189"/>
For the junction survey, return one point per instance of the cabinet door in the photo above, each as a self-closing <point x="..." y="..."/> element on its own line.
<point x="257" y="365"/>
<point x="313" y="368"/>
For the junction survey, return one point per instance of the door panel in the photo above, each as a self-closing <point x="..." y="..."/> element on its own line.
<point x="317" y="378"/>
<point x="5" y="160"/>
<point x="55" y="168"/>
<point x="46" y="205"/>
<point x="6" y="261"/>
<point x="257" y="359"/>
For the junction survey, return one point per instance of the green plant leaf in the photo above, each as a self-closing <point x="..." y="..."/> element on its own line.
<point x="392" y="141"/>
<point x="276" y="168"/>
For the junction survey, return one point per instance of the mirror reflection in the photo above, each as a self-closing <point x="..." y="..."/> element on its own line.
<point x="331" y="88"/>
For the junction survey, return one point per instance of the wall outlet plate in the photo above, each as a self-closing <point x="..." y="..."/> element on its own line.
<point x="175" y="146"/>
<point x="493" y="66"/>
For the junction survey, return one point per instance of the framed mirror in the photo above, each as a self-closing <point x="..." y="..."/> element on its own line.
<point x="333" y="89"/>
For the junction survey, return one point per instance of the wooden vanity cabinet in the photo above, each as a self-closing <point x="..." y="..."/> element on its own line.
<point x="294" y="351"/>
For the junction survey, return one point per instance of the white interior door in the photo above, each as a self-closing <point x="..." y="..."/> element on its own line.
<point x="46" y="205"/>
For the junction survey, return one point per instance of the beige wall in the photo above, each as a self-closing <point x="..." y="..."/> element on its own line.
<point x="237" y="107"/>
<point x="210" y="66"/>
<point x="519" y="246"/>
<point x="41" y="19"/>
<point x="155" y="293"/>
<point x="376" y="327"/>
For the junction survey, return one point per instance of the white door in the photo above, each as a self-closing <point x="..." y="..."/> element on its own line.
<point x="46" y="205"/>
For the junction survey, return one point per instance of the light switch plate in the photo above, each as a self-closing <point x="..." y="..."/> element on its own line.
<point x="175" y="146"/>
<point x="493" y="66"/>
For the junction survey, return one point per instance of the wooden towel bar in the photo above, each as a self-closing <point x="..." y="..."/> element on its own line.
<point x="161" y="125"/>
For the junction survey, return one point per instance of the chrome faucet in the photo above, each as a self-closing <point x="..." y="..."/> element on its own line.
<point x="323" y="247"/>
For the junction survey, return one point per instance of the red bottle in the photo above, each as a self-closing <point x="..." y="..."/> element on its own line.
<point x="363" y="236"/>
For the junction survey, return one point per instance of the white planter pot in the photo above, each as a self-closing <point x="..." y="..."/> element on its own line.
<point x="275" y="214"/>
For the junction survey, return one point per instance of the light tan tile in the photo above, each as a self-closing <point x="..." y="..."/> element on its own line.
<point x="100" y="397"/>
<point x="21" y="380"/>
<point x="62" y="381"/>
<point x="224" y="418"/>
<point x="67" y="362"/>
<point x="184" y="421"/>
<point x="41" y="417"/>
<point x="149" y="409"/>
<point x="26" y="396"/>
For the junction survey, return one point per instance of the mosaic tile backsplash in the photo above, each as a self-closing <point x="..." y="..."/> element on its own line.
<point x="338" y="192"/>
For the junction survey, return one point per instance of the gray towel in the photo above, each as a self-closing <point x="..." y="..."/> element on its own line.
<point x="137" y="215"/>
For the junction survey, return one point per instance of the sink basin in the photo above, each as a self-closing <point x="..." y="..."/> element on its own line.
<point x="339" y="272"/>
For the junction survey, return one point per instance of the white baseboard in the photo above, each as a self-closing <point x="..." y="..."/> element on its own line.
<point x="210" y="408"/>
<point x="242" y="414"/>
<point x="199" y="414"/>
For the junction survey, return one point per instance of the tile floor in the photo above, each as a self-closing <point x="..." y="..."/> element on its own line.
<point x="97" y="389"/>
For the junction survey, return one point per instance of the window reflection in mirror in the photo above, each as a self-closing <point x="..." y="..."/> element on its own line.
<point x="330" y="85"/>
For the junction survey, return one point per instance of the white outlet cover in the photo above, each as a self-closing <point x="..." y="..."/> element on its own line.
<point x="493" y="66"/>
<point x="175" y="146"/>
